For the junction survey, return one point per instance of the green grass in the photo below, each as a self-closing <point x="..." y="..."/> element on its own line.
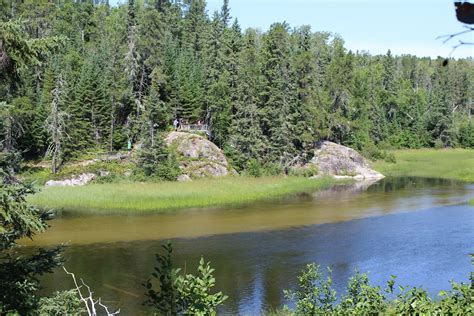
<point x="167" y="196"/>
<point x="455" y="164"/>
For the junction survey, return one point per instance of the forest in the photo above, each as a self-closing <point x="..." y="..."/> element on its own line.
<point x="104" y="76"/>
<point x="83" y="77"/>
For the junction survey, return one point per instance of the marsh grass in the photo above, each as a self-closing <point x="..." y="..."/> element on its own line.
<point x="456" y="164"/>
<point x="169" y="196"/>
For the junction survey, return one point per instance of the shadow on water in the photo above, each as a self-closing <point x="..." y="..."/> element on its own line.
<point x="407" y="227"/>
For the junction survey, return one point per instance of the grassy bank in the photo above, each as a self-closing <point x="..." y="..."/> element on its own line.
<point x="455" y="164"/>
<point x="166" y="196"/>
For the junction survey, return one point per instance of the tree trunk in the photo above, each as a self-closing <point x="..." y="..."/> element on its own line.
<point x="112" y="125"/>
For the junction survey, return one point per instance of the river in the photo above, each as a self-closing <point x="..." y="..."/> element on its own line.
<point x="418" y="229"/>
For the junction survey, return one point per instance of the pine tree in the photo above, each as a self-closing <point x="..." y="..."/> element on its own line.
<point x="303" y="124"/>
<point x="195" y="26"/>
<point x="90" y="114"/>
<point x="218" y="100"/>
<point x="246" y="139"/>
<point x="338" y="80"/>
<point x="225" y="13"/>
<point x="277" y="94"/>
<point x="157" y="112"/>
<point x="19" y="273"/>
<point x="188" y="99"/>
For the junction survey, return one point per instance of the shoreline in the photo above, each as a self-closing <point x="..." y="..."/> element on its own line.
<point x="167" y="197"/>
<point x="450" y="164"/>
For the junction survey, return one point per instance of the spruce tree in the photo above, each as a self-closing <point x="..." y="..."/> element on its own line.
<point x="89" y="113"/>
<point x="246" y="140"/>
<point x="338" y="80"/>
<point x="304" y="108"/>
<point x="19" y="273"/>
<point x="277" y="94"/>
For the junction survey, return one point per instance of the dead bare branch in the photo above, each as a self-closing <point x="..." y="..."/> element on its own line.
<point x="89" y="300"/>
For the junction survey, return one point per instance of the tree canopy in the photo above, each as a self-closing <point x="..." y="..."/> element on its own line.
<point x="128" y="70"/>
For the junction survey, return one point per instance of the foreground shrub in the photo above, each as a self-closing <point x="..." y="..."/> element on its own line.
<point x="314" y="295"/>
<point x="183" y="294"/>
<point x="61" y="303"/>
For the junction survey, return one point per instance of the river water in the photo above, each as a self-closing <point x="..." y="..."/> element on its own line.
<point x="421" y="230"/>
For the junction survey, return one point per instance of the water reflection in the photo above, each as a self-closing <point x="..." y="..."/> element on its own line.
<point x="426" y="248"/>
<point x="340" y="203"/>
<point x="258" y="250"/>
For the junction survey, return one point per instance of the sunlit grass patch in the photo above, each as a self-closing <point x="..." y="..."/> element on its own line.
<point x="167" y="196"/>
<point x="456" y="164"/>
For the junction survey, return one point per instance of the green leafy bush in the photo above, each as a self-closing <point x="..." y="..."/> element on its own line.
<point x="272" y="169"/>
<point x="254" y="168"/>
<point x="438" y="144"/>
<point x="372" y="152"/>
<point x="315" y="296"/>
<point x="466" y="135"/>
<point x="61" y="303"/>
<point x="183" y="294"/>
<point x="306" y="171"/>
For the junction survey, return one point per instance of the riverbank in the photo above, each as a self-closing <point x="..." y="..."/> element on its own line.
<point x="454" y="164"/>
<point x="168" y="196"/>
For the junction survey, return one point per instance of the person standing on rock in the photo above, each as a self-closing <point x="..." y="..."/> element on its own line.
<point x="176" y="124"/>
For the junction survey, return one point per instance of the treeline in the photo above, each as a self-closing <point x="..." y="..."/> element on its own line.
<point x="122" y="74"/>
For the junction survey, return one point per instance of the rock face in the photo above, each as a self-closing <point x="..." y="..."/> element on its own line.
<point x="82" y="179"/>
<point x="199" y="157"/>
<point x="342" y="162"/>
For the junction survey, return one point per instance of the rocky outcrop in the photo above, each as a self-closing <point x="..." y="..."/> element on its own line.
<point x="82" y="179"/>
<point x="342" y="162"/>
<point x="198" y="156"/>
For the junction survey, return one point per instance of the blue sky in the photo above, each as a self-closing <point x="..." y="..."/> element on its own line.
<point x="403" y="26"/>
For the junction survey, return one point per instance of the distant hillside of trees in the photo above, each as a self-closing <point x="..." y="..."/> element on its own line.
<point x="124" y="73"/>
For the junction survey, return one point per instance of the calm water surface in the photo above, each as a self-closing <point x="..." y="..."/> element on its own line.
<point x="418" y="229"/>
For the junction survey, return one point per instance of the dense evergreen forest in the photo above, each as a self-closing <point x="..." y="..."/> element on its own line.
<point x="113" y="75"/>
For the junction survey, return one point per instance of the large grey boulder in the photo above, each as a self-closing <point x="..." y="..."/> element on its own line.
<point x="342" y="162"/>
<point x="198" y="156"/>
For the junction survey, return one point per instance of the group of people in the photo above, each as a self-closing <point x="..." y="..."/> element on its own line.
<point x="178" y="123"/>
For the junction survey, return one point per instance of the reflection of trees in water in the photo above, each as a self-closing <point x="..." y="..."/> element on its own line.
<point x="346" y="189"/>
<point x="385" y="185"/>
<point x="253" y="268"/>
<point x="392" y="184"/>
